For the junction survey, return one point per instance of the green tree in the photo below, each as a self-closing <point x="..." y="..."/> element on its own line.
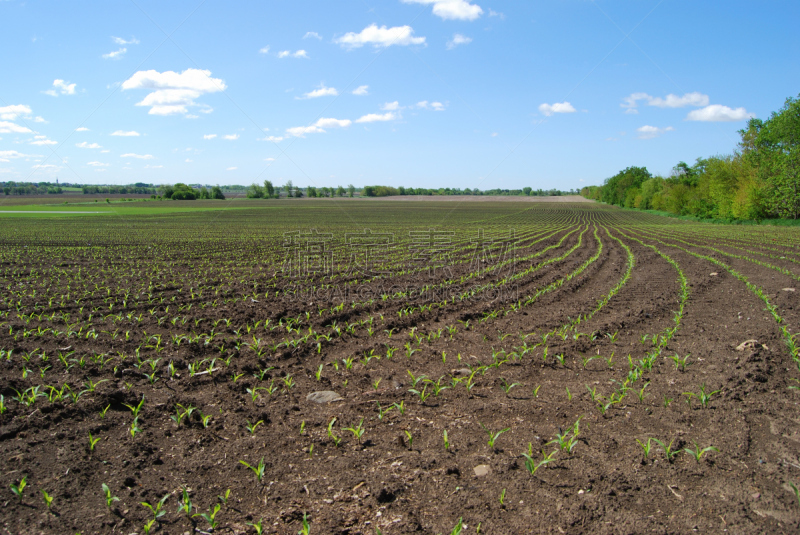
<point x="216" y="193"/>
<point x="289" y="188"/>
<point x="527" y="190"/>
<point x="351" y="190"/>
<point x="614" y="191"/>
<point x="255" y="192"/>
<point x="269" y="189"/>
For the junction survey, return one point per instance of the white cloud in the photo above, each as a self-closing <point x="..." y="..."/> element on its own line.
<point x="264" y="50"/>
<point x="650" y="132"/>
<point x="493" y="13"/>
<point x="82" y="129"/>
<point x="670" y="101"/>
<point x="321" y="92"/>
<point x="6" y="155"/>
<point x="46" y="167"/>
<point x="7" y="127"/>
<point x="231" y="137"/>
<point x="391" y="106"/>
<point x="318" y="127"/>
<point x="269" y="159"/>
<point x="98" y="164"/>
<point x="361" y="90"/>
<point x="122" y="133"/>
<point x="494" y="134"/>
<point x="315" y="35"/>
<point x="60" y="86"/>
<point x="375" y="117"/>
<point x="719" y="113"/>
<point x="121" y="41"/>
<point x="425" y="105"/>
<point x="174" y="92"/>
<point x="274" y="139"/>
<point x="558" y="107"/>
<point x="451" y="9"/>
<point x="85" y="145"/>
<point x="39" y="119"/>
<point x="104" y="151"/>
<point x="380" y="37"/>
<point x="139" y="156"/>
<point x="290" y="54"/>
<point x="187" y="160"/>
<point x="153" y="166"/>
<point x="117" y="54"/>
<point x="43" y="141"/>
<point x="231" y="168"/>
<point x="10" y="113"/>
<point x="458" y="39"/>
<point x="209" y="136"/>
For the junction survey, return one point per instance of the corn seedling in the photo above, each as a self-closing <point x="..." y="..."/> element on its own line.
<point x="336" y="440"/>
<point x="357" y="431"/>
<point x="110" y="499"/>
<point x="93" y="441"/>
<point x="252" y="427"/>
<point x="446" y="441"/>
<point x="669" y="453"/>
<point x="493" y="436"/>
<point x="796" y="491"/>
<point x="646" y="447"/>
<point x="680" y="363"/>
<point x="503" y="498"/>
<point x="697" y="452"/>
<point x="401" y="407"/>
<point x="536" y="391"/>
<point x="204" y="419"/>
<point x="257" y="470"/>
<point x="704" y="397"/>
<point x="258" y="526"/>
<point x="19" y="488"/>
<point x="135" y="410"/>
<point x="185" y="503"/>
<point x="306" y="529"/>
<point x="210" y="516"/>
<point x="410" y="440"/>
<point x="48" y="500"/>
<point x="569" y="394"/>
<point x="507" y="387"/>
<point x="157" y="509"/>
<point x="458" y="528"/>
<point x="531" y="465"/>
<point x="667" y="401"/>
<point x="641" y="393"/>
<point x="134" y="429"/>
<point x="224" y="498"/>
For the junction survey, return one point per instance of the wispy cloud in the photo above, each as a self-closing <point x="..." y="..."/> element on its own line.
<point x="719" y="113"/>
<point x="290" y="54"/>
<point x="558" y="107"/>
<point x="630" y="102"/>
<point x="122" y="133"/>
<point x="87" y="145"/>
<point x="321" y="92"/>
<point x="121" y="41"/>
<point x="231" y="137"/>
<point x="315" y="35"/>
<point x="117" y="54"/>
<point x="361" y="90"/>
<point x="173" y="92"/>
<point x="457" y="40"/>
<point x="451" y="9"/>
<point x="60" y="87"/>
<point x="318" y="127"/>
<point x="380" y="37"/>
<point x="376" y="117"/>
<point x="650" y="132"/>
<point x="137" y="156"/>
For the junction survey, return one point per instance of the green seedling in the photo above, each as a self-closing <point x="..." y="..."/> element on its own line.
<point x="306" y="529"/>
<point x="205" y="419"/>
<point x="503" y="498"/>
<point x="357" y="431"/>
<point x="258" y="526"/>
<point x="796" y="491"/>
<point x="667" y="401"/>
<point x="224" y="498"/>
<point x="530" y="464"/>
<point x="493" y="436"/>
<point x="410" y="440"/>
<point x="110" y="499"/>
<point x="569" y="394"/>
<point x="19" y="488"/>
<point x="93" y="441"/>
<point x="157" y="509"/>
<point x="302" y="427"/>
<point x="646" y="446"/>
<point x="252" y="427"/>
<point x="669" y="453"/>
<point x="382" y="412"/>
<point x="257" y="470"/>
<point x="536" y="391"/>
<point x="507" y="387"/>
<point x="641" y="393"/>
<point x="697" y="452"/>
<point x="401" y="407"/>
<point x="185" y="503"/>
<point x="336" y="440"/>
<point x="423" y="395"/>
<point x="680" y="362"/>
<point x="148" y="526"/>
<point x="376" y="384"/>
<point x="458" y="528"/>
<point x="134" y="429"/>
<point x="705" y="398"/>
<point x="560" y="358"/>
<point x="210" y="516"/>
<point x="318" y="373"/>
<point x="135" y="410"/>
<point x="104" y="411"/>
<point x="446" y="440"/>
<point x="48" y="500"/>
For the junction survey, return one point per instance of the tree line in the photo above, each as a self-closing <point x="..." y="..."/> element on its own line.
<point x="759" y="180"/>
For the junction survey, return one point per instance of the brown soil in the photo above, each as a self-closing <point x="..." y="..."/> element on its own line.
<point x="385" y="481"/>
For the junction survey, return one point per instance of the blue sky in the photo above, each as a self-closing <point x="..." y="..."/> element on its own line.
<point x="422" y="93"/>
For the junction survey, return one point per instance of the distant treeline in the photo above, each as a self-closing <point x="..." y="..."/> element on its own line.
<point x="388" y="191"/>
<point x="760" y="180"/>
